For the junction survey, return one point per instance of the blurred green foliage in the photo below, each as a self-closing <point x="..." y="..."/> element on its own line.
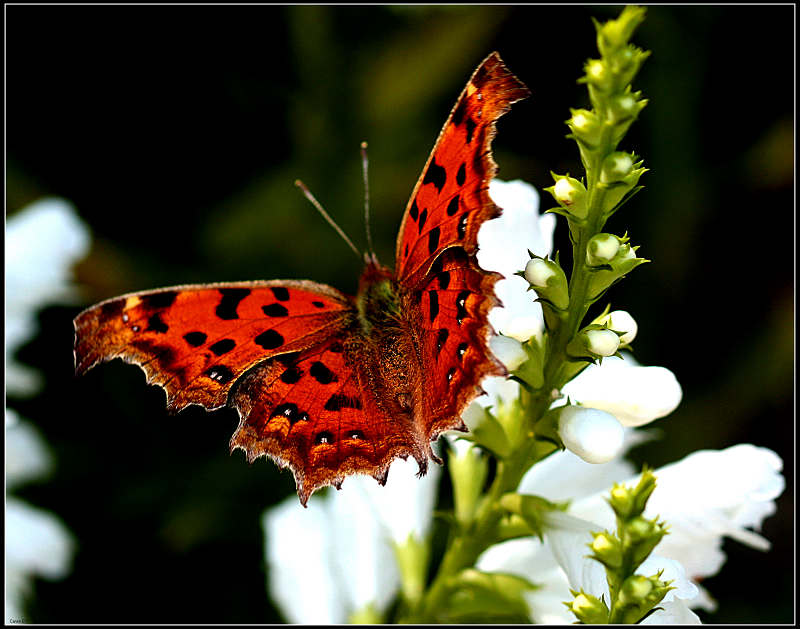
<point x="178" y="132"/>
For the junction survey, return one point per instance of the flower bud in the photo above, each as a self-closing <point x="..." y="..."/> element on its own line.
<point x="589" y="609"/>
<point x="621" y="264"/>
<point x="549" y="281"/>
<point x="616" y="167"/>
<point x="585" y="127"/>
<point x="635" y="589"/>
<point x="598" y="75"/>
<point x="468" y="470"/>
<point x="602" y="342"/>
<point x="607" y="550"/>
<point x="629" y="503"/>
<point x="595" y="436"/>
<point x="620" y="321"/>
<point x="602" y="249"/>
<point x="508" y="351"/>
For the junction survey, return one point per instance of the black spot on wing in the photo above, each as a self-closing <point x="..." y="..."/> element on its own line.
<point x="433" y="239"/>
<point x="160" y="300"/>
<point x="231" y="297"/>
<point x="436" y="175"/>
<point x="470" y="129"/>
<point x="452" y="207"/>
<point x="461" y="175"/>
<point x="280" y="292"/>
<point x="269" y="339"/>
<point x="275" y="310"/>
<point x="195" y="339"/>
<point x="223" y="346"/>
<point x="321" y="373"/>
<point x="413" y="211"/>
<point x="338" y="401"/>
<point x="156" y="324"/>
<point x="292" y="375"/>
<point x="113" y="308"/>
<point x="441" y="339"/>
<point x="433" y="298"/>
<point x="422" y="218"/>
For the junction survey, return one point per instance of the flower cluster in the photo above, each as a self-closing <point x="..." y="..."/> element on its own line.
<point x="43" y="240"/>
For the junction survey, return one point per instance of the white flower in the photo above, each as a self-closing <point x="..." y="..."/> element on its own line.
<point x="43" y="240"/>
<point x="336" y="558"/>
<point x="503" y="243"/>
<point x="520" y="317"/>
<point x="595" y="436"/>
<point x="508" y="350"/>
<point x="635" y="395"/>
<point x="703" y="498"/>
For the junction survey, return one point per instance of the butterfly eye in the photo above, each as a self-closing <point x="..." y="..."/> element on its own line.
<point x="355" y="434"/>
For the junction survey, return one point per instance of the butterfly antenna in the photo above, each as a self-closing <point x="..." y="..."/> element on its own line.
<point x="325" y="215"/>
<point x="365" y="171"/>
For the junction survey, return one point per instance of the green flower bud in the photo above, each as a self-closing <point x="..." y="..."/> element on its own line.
<point x="570" y="195"/>
<point x="589" y="609"/>
<point x="623" y="263"/>
<point x="468" y="469"/>
<point x="597" y="75"/>
<point x="602" y="249"/>
<point x="607" y="550"/>
<point x="616" y="167"/>
<point x="623" y="108"/>
<point x="629" y="503"/>
<point x="549" y="281"/>
<point x="585" y="126"/>
<point x="635" y="590"/>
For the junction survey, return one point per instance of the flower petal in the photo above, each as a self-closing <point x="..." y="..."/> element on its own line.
<point x="301" y="575"/>
<point x="635" y="395"/>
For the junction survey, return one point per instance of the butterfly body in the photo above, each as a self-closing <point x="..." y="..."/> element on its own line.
<point x="327" y="384"/>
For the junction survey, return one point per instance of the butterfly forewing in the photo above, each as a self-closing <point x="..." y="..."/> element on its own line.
<point x="451" y="199"/>
<point x="195" y="341"/>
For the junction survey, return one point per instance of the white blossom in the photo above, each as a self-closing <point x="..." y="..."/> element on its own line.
<point x="335" y="558"/>
<point x="595" y="436"/>
<point x="634" y="394"/>
<point x="43" y="240"/>
<point x="703" y="498"/>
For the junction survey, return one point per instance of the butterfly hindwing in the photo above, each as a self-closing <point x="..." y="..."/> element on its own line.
<point x="313" y="411"/>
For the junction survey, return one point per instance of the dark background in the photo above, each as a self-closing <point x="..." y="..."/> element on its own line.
<point x="178" y="132"/>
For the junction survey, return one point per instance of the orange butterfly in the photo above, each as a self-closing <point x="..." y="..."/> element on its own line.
<point x="325" y="383"/>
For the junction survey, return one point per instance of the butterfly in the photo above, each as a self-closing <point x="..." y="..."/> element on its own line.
<point x="324" y="383"/>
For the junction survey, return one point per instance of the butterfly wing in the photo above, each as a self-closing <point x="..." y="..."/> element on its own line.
<point x="312" y="411"/>
<point x="451" y="199"/>
<point x="196" y="341"/>
<point x="447" y="295"/>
